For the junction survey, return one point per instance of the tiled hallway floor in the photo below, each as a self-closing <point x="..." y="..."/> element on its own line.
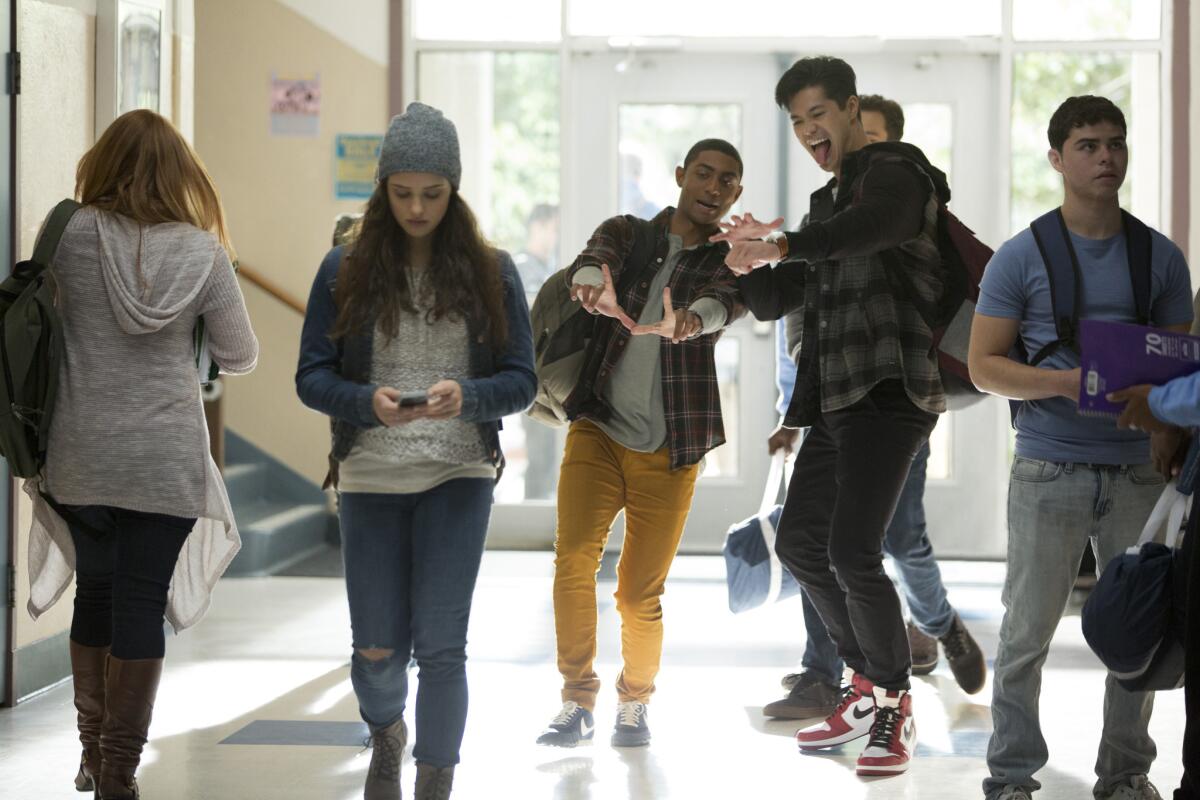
<point x="270" y="664"/>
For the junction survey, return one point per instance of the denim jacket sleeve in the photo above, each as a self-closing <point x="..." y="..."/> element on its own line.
<point x="510" y="390"/>
<point x="319" y="381"/>
<point x="1178" y="402"/>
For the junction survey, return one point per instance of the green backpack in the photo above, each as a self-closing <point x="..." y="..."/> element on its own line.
<point x="562" y="330"/>
<point x="31" y="350"/>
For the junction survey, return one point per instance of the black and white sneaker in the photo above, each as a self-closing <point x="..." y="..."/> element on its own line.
<point x="572" y="727"/>
<point x="631" y="729"/>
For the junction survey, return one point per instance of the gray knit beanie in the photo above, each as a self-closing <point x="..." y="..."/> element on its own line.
<point x="421" y="140"/>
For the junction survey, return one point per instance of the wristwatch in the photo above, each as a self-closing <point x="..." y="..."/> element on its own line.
<point x="780" y="240"/>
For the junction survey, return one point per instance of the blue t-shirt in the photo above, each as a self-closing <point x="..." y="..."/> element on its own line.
<point x="1015" y="286"/>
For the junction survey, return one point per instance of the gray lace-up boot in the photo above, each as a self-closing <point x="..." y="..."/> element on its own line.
<point x="387" y="751"/>
<point x="433" y="783"/>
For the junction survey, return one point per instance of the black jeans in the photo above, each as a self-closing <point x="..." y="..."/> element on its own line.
<point x="123" y="565"/>
<point x="848" y="477"/>
<point x="1189" y="788"/>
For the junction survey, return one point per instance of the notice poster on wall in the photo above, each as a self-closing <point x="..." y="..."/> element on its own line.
<point x="295" y="107"/>
<point x="355" y="157"/>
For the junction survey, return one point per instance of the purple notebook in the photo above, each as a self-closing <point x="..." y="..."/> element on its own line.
<point x="1115" y="355"/>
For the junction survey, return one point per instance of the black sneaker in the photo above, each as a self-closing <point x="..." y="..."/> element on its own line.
<point x="810" y="697"/>
<point x="572" y="727"/>
<point x="966" y="659"/>
<point x="631" y="729"/>
<point x="924" y="650"/>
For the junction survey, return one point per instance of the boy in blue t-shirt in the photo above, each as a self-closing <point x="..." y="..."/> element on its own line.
<point x="1074" y="477"/>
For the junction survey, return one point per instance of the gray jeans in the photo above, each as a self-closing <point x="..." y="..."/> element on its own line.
<point x="1053" y="510"/>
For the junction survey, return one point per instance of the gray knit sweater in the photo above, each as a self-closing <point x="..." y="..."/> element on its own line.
<point x="128" y="427"/>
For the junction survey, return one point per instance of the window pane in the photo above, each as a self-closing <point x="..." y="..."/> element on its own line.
<point x="1041" y="81"/>
<point x="487" y="20"/>
<point x="916" y="19"/>
<point x="1072" y="20"/>
<point x="941" y="445"/>
<point x="505" y="107"/>
<point x="723" y="462"/>
<point x="930" y="126"/>
<point x="653" y="140"/>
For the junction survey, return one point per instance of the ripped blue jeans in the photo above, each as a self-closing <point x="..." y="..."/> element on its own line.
<point x="411" y="563"/>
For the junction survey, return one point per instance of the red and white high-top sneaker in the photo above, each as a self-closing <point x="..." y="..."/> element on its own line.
<point x="849" y="721"/>
<point x="893" y="736"/>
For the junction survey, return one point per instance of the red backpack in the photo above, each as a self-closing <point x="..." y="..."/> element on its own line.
<point x="963" y="260"/>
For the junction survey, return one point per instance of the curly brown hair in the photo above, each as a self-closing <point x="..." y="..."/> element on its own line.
<point x="464" y="274"/>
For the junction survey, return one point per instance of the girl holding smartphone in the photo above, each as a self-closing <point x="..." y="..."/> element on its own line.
<point x="416" y="306"/>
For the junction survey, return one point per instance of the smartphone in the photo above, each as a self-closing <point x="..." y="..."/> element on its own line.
<point x="413" y="399"/>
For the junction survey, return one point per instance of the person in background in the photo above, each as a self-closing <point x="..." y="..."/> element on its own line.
<point x="538" y="258"/>
<point x="130" y="494"/>
<point x="536" y="262"/>
<point x="416" y="343"/>
<point x="882" y="119"/>
<point x="814" y="691"/>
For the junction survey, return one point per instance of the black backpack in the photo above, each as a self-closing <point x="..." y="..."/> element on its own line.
<point x="1066" y="281"/>
<point x="31" y="351"/>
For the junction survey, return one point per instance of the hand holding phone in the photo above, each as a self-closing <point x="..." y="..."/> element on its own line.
<point x="409" y="399"/>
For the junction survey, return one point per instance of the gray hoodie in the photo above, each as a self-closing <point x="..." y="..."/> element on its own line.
<point x="128" y="427"/>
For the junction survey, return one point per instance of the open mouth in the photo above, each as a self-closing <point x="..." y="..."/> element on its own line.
<point x="709" y="207"/>
<point x="820" y="150"/>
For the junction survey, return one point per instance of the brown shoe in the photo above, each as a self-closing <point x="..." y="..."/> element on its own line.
<point x="966" y="659"/>
<point x="387" y="751"/>
<point x="810" y="697"/>
<point x="130" y="690"/>
<point x="433" y="783"/>
<point x="87" y="671"/>
<point x="924" y="651"/>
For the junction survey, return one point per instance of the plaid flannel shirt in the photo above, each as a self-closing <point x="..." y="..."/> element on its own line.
<point x="691" y="400"/>
<point x="858" y="328"/>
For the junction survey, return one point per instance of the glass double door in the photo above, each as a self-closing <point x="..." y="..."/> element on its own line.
<point x="628" y="120"/>
<point x="633" y="119"/>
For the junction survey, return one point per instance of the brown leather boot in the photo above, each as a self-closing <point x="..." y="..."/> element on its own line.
<point x="129" y="702"/>
<point x="433" y="783"/>
<point x="87" y="670"/>
<point x="387" y="751"/>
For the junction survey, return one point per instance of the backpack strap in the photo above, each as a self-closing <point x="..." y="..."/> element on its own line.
<point x="1140" y="246"/>
<point x="56" y="223"/>
<point x="1062" y="269"/>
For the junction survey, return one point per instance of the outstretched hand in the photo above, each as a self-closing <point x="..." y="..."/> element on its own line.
<point x="744" y="228"/>
<point x="1137" y="414"/>
<point x="675" y="325"/>
<point x="601" y="299"/>
<point x="745" y="257"/>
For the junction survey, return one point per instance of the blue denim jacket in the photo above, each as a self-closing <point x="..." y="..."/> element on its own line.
<point x="334" y="377"/>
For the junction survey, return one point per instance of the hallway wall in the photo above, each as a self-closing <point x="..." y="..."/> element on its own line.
<point x="55" y="126"/>
<point x="239" y="46"/>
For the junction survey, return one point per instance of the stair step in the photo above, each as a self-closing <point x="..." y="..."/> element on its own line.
<point x="275" y="535"/>
<point x="246" y="484"/>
